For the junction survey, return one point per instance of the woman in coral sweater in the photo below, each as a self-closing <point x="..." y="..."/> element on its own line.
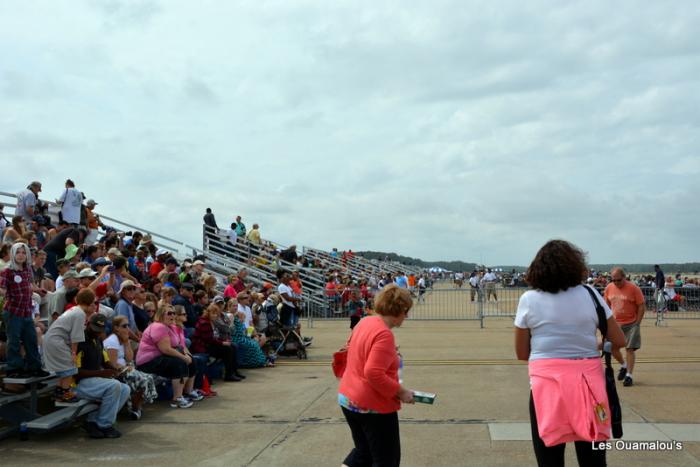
<point x="370" y="394"/>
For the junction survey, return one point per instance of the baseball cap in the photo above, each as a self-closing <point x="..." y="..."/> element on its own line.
<point x="187" y="285"/>
<point x="101" y="261"/>
<point x="198" y="262"/>
<point x="91" y="202"/>
<point x="71" y="251"/>
<point x="161" y="252"/>
<point x="218" y="299"/>
<point x="35" y="184"/>
<point x="128" y="284"/>
<point x="97" y="322"/>
<point x="70" y="275"/>
<point x="172" y="261"/>
<point x="87" y="272"/>
<point x="114" y="251"/>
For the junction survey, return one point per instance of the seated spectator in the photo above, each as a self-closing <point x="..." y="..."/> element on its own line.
<point x="184" y="299"/>
<point x="14" y="232"/>
<point x="97" y="382"/>
<point x="121" y="358"/>
<point x="57" y="301"/>
<point x="239" y="284"/>
<point x="209" y="283"/>
<point x="124" y="307"/>
<point x="167" y="295"/>
<point x="207" y="339"/>
<point x="5" y="255"/>
<point x="230" y="291"/>
<point x="201" y="302"/>
<point x="159" y="264"/>
<point x="143" y="319"/>
<point x="244" y="302"/>
<point x="250" y="348"/>
<point x="162" y="353"/>
<point x="61" y="344"/>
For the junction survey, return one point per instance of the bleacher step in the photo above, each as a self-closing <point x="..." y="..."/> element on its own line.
<point x="30" y="380"/>
<point x="59" y="417"/>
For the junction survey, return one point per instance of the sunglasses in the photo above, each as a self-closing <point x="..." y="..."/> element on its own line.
<point x="169" y="313"/>
<point x="182" y="314"/>
<point x="123" y="326"/>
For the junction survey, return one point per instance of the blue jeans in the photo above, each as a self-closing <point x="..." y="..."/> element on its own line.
<point x="21" y="331"/>
<point x="112" y="396"/>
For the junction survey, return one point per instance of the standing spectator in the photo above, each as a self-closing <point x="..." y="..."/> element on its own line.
<point x="555" y="331"/>
<point x="370" y="394"/>
<point x="289" y="255"/>
<point x="473" y="285"/>
<point x="3" y="220"/>
<point x="27" y="200"/>
<point x="57" y="246"/>
<point x="16" y="287"/>
<point x="289" y="300"/>
<point x="209" y="219"/>
<point x="97" y="382"/>
<point x="240" y="227"/>
<point x="93" y="222"/>
<point x="660" y="279"/>
<point x="254" y="235"/>
<point x="70" y="201"/>
<point x="490" y="281"/>
<point x="61" y="344"/>
<point x="627" y="303"/>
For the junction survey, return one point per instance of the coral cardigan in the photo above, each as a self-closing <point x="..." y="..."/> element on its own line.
<point x="371" y="376"/>
<point x="565" y="393"/>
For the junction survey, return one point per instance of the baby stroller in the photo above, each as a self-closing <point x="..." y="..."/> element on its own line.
<point x="282" y="339"/>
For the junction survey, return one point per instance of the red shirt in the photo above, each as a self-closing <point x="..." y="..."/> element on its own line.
<point x="18" y="284"/>
<point x="155" y="269"/>
<point x="371" y="377"/>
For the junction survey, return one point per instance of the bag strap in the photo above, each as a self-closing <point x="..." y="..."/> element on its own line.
<point x="602" y="324"/>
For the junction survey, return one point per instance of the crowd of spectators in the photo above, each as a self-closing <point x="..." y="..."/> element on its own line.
<point x="74" y="290"/>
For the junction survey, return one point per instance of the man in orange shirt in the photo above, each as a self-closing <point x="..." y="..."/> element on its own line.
<point x="627" y="303"/>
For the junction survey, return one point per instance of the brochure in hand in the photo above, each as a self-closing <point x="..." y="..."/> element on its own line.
<point x="424" y="397"/>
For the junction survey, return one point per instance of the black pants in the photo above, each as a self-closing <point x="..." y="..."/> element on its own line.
<point x="228" y="354"/>
<point x="376" y="438"/>
<point x="553" y="456"/>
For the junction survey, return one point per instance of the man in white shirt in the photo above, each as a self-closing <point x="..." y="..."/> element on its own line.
<point x="489" y="280"/>
<point x="473" y="284"/>
<point x="71" y="200"/>
<point x="26" y="201"/>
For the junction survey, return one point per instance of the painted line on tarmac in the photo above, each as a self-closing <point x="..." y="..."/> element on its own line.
<point x="485" y="362"/>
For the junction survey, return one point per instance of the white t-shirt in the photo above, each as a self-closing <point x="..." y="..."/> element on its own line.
<point x="285" y="289"/>
<point x="248" y="315"/>
<point x="112" y="342"/>
<point x="474" y="281"/>
<point x="562" y="325"/>
<point x="71" y="199"/>
<point x="490" y="277"/>
<point x="25" y="199"/>
<point x="459" y="276"/>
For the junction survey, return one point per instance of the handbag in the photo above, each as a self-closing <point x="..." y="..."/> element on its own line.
<point x="613" y="398"/>
<point x="340" y="360"/>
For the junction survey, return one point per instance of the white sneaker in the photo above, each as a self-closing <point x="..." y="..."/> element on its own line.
<point x="181" y="403"/>
<point x="195" y="395"/>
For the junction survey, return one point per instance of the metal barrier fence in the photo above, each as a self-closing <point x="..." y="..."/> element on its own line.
<point x="464" y="304"/>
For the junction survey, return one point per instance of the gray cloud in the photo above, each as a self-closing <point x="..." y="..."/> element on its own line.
<point x="453" y="130"/>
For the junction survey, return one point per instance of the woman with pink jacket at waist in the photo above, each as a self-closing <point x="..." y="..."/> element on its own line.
<point x="555" y="330"/>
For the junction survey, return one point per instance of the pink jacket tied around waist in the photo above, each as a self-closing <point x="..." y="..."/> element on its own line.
<point x="566" y="393"/>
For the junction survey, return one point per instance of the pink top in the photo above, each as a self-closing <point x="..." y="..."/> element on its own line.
<point x="230" y="291"/>
<point x="371" y="378"/>
<point x="565" y="393"/>
<point x="148" y="347"/>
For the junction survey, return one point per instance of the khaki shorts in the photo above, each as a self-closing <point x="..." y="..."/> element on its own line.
<point x="633" y="336"/>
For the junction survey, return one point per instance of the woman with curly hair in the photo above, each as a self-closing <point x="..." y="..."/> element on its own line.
<point x="555" y="330"/>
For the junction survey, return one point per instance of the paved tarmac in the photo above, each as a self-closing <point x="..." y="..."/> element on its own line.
<point x="288" y="415"/>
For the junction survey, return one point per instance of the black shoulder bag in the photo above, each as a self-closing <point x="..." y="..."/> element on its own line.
<point x="613" y="399"/>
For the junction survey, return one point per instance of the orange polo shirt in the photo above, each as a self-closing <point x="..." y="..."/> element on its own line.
<point x="624" y="301"/>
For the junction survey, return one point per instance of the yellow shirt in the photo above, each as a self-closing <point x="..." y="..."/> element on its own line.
<point x="254" y="236"/>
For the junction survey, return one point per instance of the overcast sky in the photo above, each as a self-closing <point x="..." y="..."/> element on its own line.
<point x="440" y="130"/>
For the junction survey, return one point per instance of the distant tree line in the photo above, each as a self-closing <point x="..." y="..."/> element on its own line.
<point x="668" y="268"/>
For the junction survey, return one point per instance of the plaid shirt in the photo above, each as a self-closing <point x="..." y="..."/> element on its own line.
<point x="18" y="298"/>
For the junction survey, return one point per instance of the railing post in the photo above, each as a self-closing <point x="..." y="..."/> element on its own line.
<point x="480" y="307"/>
